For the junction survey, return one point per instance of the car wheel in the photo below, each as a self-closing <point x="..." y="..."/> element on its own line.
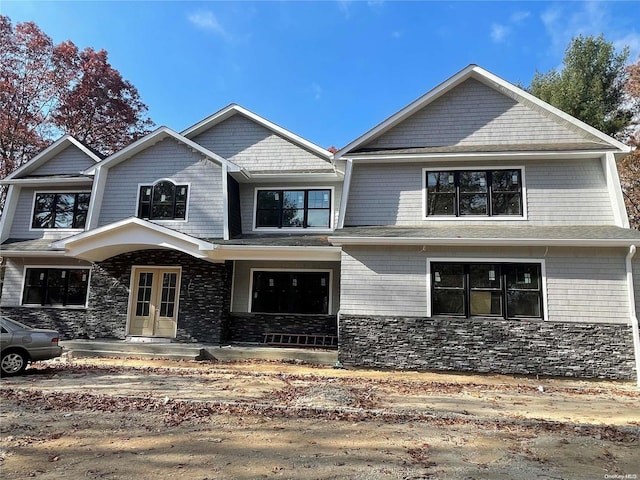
<point x="13" y="363"/>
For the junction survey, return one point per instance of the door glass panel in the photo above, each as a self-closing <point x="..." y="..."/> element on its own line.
<point x="143" y="301"/>
<point x="168" y="295"/>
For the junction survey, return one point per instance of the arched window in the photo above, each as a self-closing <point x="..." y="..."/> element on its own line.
<point x="163" y="200"/>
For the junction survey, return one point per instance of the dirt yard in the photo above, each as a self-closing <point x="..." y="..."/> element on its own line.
<point x="133" y="419"/>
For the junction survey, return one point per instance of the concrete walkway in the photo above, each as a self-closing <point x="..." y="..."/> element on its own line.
<point x="195" y="351"/>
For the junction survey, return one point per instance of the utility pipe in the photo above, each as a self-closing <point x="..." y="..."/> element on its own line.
<point x="632" y="311"/>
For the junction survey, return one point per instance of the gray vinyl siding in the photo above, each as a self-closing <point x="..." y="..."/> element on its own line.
<point x="14" y="275"/>
<point x="256" y="148"/>
<point x="172" y="160"/>
<point x="24" y="211"/>
<point x="583" y="285"/>
<point x="559" y="192"/>
<point x="247" y="200"/>
<point x="71" y="160"/>
<point x="242" y="280"/>
<point x="383" y="281"/>
<point x="475" y="114"/>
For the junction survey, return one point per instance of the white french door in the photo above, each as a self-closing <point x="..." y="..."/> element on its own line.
<point x="153" y="305"/>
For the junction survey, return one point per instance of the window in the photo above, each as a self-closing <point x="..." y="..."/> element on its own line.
<point x="60" y="210"/>
<point x="293" y="208"/>
<point x="290" y="292"/>
<point x="163" y="201"/>
<point x="507" y="290"/>
<point x="55" y="286"/>
<point x="480" y="193"/>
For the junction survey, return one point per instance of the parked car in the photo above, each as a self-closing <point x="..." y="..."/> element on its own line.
<point x="22" y="344"/>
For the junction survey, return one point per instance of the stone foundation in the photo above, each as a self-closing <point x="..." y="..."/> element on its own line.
<point x="496" y="346"/>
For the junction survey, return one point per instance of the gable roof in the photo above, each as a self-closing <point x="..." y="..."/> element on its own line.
<point x="50" y="152"/>
<point x="154" y="137"/>
<point x="502" y="86"/>
<point x="234" y="109"/>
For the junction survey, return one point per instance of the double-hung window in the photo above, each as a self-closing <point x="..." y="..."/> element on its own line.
<point x="290" y="292"/>
<point x="163" y="200"/>
<point x="474" y="193"/>
<point x="293" y="208"/>
<point x="504" y="290"/>
<point x="55" y="286"/>
<point x="60" y="210"/>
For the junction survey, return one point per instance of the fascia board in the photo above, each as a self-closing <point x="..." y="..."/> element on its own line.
<point x="451" y="156"/>
<point x="279" y="253"/>
<point x="294" y="177"/>
<point x="50" y="152"/>
<point x="33" y="253"/>
<point x="234" y="108"/>
<point x="47" y="181"/>
<point x="152" y="138"/>
<point x="491" y="242"/>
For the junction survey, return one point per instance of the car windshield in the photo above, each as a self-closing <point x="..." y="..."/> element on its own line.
<point x="15" y="324"/>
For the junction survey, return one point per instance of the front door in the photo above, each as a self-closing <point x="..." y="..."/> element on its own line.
<point x="154" y="302"/>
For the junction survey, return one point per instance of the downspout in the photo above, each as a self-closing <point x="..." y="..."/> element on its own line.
<point x="632" y="312"/>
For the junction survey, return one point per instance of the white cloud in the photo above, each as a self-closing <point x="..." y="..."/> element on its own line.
<point x="499" y="32"/>
<point x="316" y="90"/>
<point x="519" y="17"/>
<point x="206" y="20"/>
<point x="396" y="34"/>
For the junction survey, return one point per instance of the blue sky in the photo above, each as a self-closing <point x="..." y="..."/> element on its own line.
<point x="327" y="71"/>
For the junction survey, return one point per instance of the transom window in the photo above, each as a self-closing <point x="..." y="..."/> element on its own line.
<point x="60" y="210"/>
<point x="511" y="290"/>
<point x="474" y="192"/>
<point x="163" y="200"/>
<point x="290" y="292"/>
<point x="55" y="286"/>
<point x="293" y="208"/>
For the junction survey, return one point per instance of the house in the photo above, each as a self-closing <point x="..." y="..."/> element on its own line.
<point x="476" y="229"/>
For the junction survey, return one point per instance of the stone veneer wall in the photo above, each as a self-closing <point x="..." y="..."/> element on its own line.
<point x="205" y="295"/>
<point x="497" y="346"/>
<point x="251" y="327"/>
<point x="69" y="322"/>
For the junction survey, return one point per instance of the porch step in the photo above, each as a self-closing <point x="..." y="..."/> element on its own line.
<point x="301" y="340"/>
<point x="196" y="351"/>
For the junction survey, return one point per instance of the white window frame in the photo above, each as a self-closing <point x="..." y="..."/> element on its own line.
<point x="301" y="270"/>
<point x="55" y="267"/>
<point x="475" y="218"/>
<point x="57" y="192"/>
<point x="293" y="229"/>
<point x="176" y="183"/>
<point x="540" y="261"/>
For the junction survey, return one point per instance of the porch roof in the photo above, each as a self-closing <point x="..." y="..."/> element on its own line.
<point x="494" y="235"/>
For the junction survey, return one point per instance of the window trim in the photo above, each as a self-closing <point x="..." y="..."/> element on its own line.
<point x="330" y="228"/>
<point x="499" y="260"/>
<point x="475" y="218"/>
<point x="300" y="270"/>
<point x="168" y="220"/>
<point x="55" y="267"/>
<point x="58" y="192"/>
